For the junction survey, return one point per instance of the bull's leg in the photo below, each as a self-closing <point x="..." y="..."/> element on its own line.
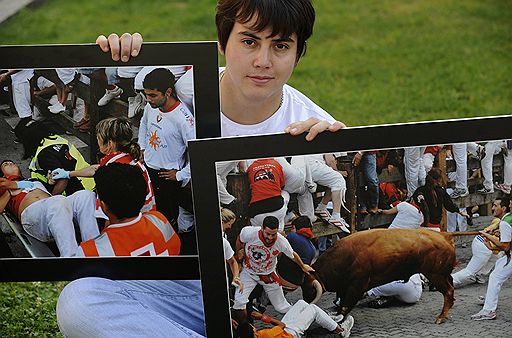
<point x="444" y="284"/>
<point x="350" y="297"/>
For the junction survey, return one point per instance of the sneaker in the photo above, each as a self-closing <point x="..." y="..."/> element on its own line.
<point x="347" y="326"/>
<point x="135" y="104"/>
<point x="110" y="94"/>
<point x="485" y="190"/>
<point x="484" y="315"/>
<point x="480" y="152"/>
<point x="340" y="223"/>
<point x="56" y="108"/>
<point x="480" y="279"/>
<point x="458" y="192"/>
<point x="335" y="316"/>
<point x="323" y="213"/>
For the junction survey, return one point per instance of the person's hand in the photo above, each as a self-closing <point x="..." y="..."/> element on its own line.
<point x="168" y="174"/>
<point x="464" y="214"/>
<point x="313" y="126"/>
<point x="60" y="173"/>
<point x="121" y="48"/>
<point x="306" y="268"/>
<point x="330" y="160"/>
<point x="3" y="77"/>
<point x="24" y="185"/>
<point x="238" y="282"/>
<point x="357" y="159"/>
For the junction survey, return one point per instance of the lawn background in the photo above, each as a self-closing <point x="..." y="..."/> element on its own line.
<point x="368" y="62"/>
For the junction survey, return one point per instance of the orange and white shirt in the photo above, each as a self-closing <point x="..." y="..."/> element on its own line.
<point x="150" y="234"/>
<point x="125" y="158"/>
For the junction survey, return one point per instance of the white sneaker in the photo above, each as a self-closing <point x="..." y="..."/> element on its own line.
<point x="56" y="108"/>
<point x="135" y="104"/>
<point x="347" y="325"/>
<point x="484" y="315"/>
<point x="110" y="94"/>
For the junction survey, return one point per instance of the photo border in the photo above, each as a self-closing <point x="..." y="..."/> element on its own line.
<point x="205" y="153"/>
<point x="203" y="56"/>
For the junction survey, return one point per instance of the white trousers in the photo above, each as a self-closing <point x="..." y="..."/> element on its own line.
<point x="493" y="148"/>
<point x="295" y="177"/>
<point x="301" y="315"/>
<point x="257" y="220"/>
<point x="456" y="221"/>
<point x="223" y="169"/>
<point x="460" y="156"/>
<point x="274" y="292"/>
<point x="21" y="95"/>
<point x="481" y="263"/>
<point x="413" y="161"/>
<point x="499" y="276"/>
<point x="409" y="292"/>
<point x="322" y="174"/>
<point x="53" y="218"/>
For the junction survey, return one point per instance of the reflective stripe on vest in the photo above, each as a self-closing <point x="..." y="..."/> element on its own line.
<point x="103" y="246"/>
<point x="164" y="227"/>
<point x="87" y="182"/>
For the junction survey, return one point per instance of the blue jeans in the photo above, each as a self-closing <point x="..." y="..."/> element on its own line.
<point x="369" y="167"/>
<point x="98" y="307"/>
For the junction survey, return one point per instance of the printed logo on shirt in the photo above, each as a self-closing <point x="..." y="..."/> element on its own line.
<point x="264" y="174"/>
<point x="154" y="140"/>
<point x="159" y="118"/>
<point x="189" y="118"/>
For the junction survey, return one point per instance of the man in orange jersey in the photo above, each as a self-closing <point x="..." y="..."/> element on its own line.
<point x="121" y="189"/>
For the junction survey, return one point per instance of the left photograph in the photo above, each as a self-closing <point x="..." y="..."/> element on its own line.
<point x="95" y="183"/>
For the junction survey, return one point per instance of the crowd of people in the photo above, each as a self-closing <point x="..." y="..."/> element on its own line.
<point x="142" y="189"/>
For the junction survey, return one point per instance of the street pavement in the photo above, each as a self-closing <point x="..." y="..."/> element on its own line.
<point x="418" y="320"/>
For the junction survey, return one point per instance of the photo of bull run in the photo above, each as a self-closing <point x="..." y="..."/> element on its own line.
<point x="371" y="229"/>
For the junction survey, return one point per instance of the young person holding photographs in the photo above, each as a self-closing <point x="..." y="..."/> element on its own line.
<point x="262" y="41"/>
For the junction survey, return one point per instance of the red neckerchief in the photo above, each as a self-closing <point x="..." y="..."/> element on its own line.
<point x="260" y="235"/>
<point x="14" y="178"/>
<point x="306" y="232"/>
<point x="415" y="205"/>
<point x="172" y="107"/>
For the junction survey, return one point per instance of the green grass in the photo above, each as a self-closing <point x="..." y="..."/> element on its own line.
<point x="28" y="309"/>
<point x="368" y="62"/>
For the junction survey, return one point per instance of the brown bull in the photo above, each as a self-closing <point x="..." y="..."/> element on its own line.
<point x="371" y="258"/>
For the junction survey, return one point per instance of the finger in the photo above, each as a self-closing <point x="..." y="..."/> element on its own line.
<point x="126" y="46"/>
<point x="102" y="42"/>
<point x="136" y="44"/>
<point x="298" y="128"/>
<point x="317" y="129"/>
<point x="113" y="41"/>
<point x="337" y="125"/>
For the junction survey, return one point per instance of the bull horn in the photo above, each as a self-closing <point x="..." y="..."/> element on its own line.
<point x="319" y="291"/>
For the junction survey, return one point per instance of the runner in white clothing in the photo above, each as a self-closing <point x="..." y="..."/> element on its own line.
<point x="261" y="248"/>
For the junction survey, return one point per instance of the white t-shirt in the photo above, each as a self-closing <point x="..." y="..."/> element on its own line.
<point x="505" y="232"/>
<point x="164" y="136"/>
<point x="296" y="107"/>
<point x="228" y="250"/>
<point x="408" y="217"/>
<point x="259" y="258"/>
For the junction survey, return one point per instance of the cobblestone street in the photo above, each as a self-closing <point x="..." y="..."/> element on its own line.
<point x="418" y="320"/>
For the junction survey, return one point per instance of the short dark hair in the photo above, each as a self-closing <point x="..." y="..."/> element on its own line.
<point x="122" y="187"/>
<point x="302" y="222"/>
<point x="244" y="330"/>
<point x="504" y="202"/>
<point x="271" y="222"/>
<point x="160" y="79"/>
<point x="285" y="17"/>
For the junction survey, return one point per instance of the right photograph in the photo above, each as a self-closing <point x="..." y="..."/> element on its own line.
<point x="338" y="242"/>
